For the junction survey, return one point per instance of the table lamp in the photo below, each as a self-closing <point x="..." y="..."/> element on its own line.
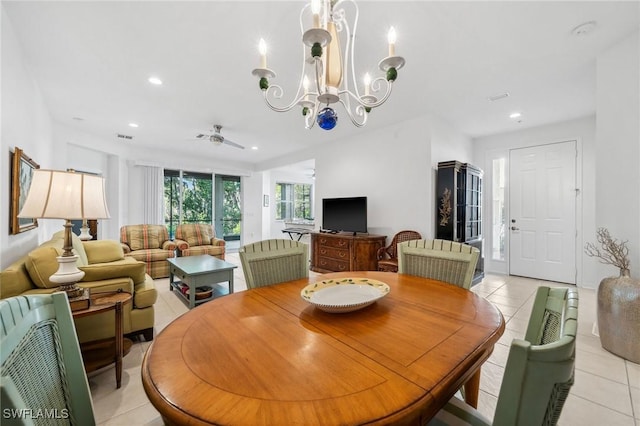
<point x="56" y="194"/>
<point x="84" y="234"/>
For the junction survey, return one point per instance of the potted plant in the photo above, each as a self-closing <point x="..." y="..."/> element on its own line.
<point x="618" y="299"/>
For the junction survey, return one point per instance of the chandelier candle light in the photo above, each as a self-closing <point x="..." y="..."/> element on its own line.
<point x="322" y="81"/>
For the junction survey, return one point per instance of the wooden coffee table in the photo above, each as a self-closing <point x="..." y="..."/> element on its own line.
<point x="196" y="271"/>
<point x="100" y="353"/>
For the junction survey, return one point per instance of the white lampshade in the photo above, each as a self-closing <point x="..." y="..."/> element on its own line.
<point x="56" y="194"/>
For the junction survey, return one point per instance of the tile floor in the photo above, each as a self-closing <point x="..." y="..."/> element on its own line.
<point x="606" y="389"/>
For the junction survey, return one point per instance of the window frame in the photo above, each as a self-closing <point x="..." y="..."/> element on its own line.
<point x="286" y="209"/>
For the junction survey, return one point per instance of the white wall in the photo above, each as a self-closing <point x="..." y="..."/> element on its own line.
<point x="497" y="146"/>
<point x="252" y="187"/>
<point x="618" y="148"/>
<point x="26" y="124"/>
<point x="266" y="210"/>
<point x="87" y="152"/>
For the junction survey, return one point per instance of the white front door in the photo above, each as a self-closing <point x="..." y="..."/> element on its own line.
<point x="542" y="208"/>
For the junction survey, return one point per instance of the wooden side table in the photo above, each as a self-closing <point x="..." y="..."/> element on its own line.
<point x="100" y="353"/>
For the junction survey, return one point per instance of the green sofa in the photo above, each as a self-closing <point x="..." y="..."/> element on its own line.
<point x="106" y="269"/>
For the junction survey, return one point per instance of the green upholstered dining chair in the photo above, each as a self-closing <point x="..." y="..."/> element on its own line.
<point x="274" y="261"/>
<point x="539" y="370"/>
<point x="442" y="260"/>
<point x="42" y="371"/>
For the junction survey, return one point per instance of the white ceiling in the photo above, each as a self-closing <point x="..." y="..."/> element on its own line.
<point x="92" y="60"/>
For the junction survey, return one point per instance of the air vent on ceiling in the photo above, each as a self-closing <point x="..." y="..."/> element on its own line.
<point x="498" y="96"/>
<point x="121" y="136"/>
<point x="584" y="29"/>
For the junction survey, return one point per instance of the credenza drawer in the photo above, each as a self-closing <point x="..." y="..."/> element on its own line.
<point x="333" y="242"/>
<point x="334" y="253"/>
<point x="333" y="264"/>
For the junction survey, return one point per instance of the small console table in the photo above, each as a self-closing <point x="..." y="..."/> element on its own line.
<point x="100" y="353"/>
<point x="345" y="252"/>
<point x="296" y="231"/>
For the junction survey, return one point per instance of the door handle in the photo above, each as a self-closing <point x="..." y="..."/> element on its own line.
<point x="513" y="228"/>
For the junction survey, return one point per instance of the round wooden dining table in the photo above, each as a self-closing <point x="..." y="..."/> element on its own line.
<point x="267" y="357"/>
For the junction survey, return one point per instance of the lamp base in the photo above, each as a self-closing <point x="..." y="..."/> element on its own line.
<point x="84" y="233"/>
<point x="68" y="275"/>
<point x="72" y="290"/>
<point x="81" y="302"/>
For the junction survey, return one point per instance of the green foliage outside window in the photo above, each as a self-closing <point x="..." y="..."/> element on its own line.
<point x="232" y="208"/>
<point x="195" y="205"/>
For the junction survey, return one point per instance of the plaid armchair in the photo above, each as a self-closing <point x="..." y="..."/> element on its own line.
<point x="149" y="244"/>
<point x="198" y="238"/>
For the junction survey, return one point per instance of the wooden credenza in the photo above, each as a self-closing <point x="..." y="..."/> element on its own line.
<point x="345" y="252"/>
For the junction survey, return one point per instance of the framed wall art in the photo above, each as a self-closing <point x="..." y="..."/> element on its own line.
<point x="22" y="168"/>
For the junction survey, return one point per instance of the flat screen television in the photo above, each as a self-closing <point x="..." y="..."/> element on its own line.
<point x="344" y="214"/>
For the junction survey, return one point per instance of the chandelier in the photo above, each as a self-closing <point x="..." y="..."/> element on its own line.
<point x="328" y="76"/>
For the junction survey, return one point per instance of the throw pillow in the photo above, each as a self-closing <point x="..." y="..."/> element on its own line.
<point x="144" y="238"/>
<point x="103" y="251"/>
<point x="197" y="235"/>
<point x="41" y="264"/>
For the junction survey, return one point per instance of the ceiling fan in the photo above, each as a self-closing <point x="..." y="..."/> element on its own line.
<point x="217" y="138"/>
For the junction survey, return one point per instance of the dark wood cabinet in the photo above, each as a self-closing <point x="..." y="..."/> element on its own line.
<point x="459" y="207"/>
<point x="345" y="252"/>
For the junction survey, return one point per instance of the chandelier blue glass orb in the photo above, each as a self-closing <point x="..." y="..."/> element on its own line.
<point x="327" y="118"/>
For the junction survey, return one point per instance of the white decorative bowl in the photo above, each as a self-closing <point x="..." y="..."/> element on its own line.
<point x="344" y="294"/>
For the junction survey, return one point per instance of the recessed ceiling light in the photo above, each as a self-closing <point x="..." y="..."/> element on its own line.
<point x="155" y="80"/>
<point x="255" y="148"/>
<point x="515" y="115"/>
<point x="133" y="125"/>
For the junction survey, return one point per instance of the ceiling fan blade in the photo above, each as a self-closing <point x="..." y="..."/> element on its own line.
<point x="201" y="135"/>
<point x="228" y="142"/>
